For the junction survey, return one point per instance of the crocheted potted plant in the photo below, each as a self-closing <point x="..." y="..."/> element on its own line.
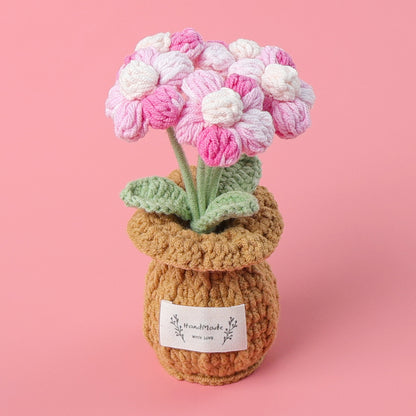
<point x="211" y="303"/>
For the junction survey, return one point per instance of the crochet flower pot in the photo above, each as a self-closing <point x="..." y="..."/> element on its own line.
<point x="220" y="269"/>
<point x="211" y="304"/>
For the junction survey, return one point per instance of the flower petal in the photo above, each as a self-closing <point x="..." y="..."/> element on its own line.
<point x="291" y="118"/>
<point x="252" y="68"/>
<point x="306" y="93"/>
<point x="190" y="124"/>
<point x="173" y="67"/>
<point x="163" y="107"/>
<point x="128" y="121"/>
<point x="275" y="55"/>
<point x="244" y="48"/>
<point x="218" y="146"/>
<point x="189" y="41"/>
<point x="254" y="99"/>
<point x="200" y="83"/>
<point x="251" y="94"/>
<point x="240" y="83"/>
<point x="215" y="56"/>
<point x="160" y="41"/>
<point x="256" y="131"/>
<point x="114" y="99"/>
<point x="146" y="55"/>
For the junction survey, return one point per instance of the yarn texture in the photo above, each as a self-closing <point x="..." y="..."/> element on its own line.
<point x="244" y="176"/>
<point x="215" y="57"/>
<point x="229" y="205"/>
<point x="281" y="82"/>
<point x="224" y="117"/>
<point x="210" y="229"/>
<point x="180" y="80"/>
<point x="244" y="48"/>
<point x="159" y="41"/>
<point x="287" y="98"/>
<point x="155" y="194"/>
<point x="189" y="42"/>
<point x="244" y="241"/>
<point x="146" y="91"/>
<point x="212" y="270"/>
<point x="223" y="107"/>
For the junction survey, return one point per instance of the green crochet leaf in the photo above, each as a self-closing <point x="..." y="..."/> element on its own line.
<point x="225" y="206"/>
<point x="242" y="176"/>
<point x="156" y="194"/>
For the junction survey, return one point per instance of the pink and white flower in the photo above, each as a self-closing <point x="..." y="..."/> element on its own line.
<point x="146" y="92"/>
<point x="224" y="118"/>
<point x="287" y="98"/>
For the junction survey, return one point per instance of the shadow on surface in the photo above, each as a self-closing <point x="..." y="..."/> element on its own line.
<point x="333" y="294"/>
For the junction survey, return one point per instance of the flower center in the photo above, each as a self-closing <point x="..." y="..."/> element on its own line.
<point x="223" y="107"/>
<point x="137" y="79"/>
<point x="281" y="82"/>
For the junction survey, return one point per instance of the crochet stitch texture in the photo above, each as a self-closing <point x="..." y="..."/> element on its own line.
<point x="287" y="98"/>
<point x="224" y="118"/>
<point x="209" y="229"/>
<point x="224" y="99"/>
<point x="243" y="242"/>
<point x="212" y="270"/>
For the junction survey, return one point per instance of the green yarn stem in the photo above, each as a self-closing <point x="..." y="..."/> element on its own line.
<point x="208" y="171"/>
<point x="200" y="186"/>
<point x="186" y="173"/>
<point x="215" y="176"/>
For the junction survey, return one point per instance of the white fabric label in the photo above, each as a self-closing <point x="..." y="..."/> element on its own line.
<point x="203" y="329"/>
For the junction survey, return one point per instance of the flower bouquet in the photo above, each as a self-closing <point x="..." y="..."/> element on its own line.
<point x="211" y="303"/>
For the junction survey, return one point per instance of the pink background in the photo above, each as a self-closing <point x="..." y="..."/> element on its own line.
<point x="71" y="293"/>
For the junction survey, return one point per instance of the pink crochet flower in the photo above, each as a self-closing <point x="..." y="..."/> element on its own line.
<point x="287" y="98"/>
<point x="224" y="118"/>
<point x="146" y="92"/>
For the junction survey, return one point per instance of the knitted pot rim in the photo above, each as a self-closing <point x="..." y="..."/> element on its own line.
<point x="244" y="242"/>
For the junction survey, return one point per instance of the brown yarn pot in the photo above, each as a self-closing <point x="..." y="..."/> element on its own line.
<point x="227" y="268"/>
